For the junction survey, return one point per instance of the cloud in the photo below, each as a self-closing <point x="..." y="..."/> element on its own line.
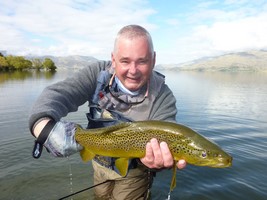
<point x="88" y="27"/>
<point x="247" y="33"/>
<point x="67" y="27"/>
<point x="211" y="30"/>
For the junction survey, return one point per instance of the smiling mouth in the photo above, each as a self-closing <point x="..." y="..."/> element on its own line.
<point x="133" y="79"/>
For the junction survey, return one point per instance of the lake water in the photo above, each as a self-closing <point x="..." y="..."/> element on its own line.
<point x="228" y="108"/>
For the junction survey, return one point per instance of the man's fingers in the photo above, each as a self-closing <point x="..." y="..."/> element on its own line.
<point x="148" y="160"/>
<point x="158" y="160"/>
<point x="166" y="155"/>
<point x="149" y="153"/>
<point x="181" y="164"/>
<point x="159" y="156"/>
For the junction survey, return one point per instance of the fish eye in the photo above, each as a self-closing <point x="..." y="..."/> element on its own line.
<point x="204" y="154"/>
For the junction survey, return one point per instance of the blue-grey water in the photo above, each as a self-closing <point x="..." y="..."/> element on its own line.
<point x="228" y="108"/>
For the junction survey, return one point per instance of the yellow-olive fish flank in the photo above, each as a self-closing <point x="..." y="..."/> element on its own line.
<point x="128" y="140"/>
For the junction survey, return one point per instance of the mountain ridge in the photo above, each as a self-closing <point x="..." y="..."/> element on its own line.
<point x="67" y="62"/>
<point x="254" y="60"/>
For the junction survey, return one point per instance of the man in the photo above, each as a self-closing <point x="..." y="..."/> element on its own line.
<point x="130" y="90"/>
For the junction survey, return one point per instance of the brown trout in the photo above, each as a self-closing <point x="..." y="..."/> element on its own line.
<point x="128" y="140"/>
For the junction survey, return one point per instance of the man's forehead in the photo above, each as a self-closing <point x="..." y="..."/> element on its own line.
<point x="127" y="46"/>
<point x="121" y="57"/>
<point x="140" y="40"/>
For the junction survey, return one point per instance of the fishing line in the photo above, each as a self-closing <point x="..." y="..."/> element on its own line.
<point x="70" y="195"/>
<point x="70" y="175"/>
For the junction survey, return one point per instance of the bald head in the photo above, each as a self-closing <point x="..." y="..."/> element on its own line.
<point x="131" y="32"/>
<point x="133" y="57"/>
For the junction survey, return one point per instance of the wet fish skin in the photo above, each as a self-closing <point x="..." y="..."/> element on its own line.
<point x="128" y="140"/>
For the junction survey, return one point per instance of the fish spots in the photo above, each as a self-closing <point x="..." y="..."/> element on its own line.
<point x="128" y="140"/>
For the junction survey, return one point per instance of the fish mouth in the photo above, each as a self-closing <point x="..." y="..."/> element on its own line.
<point x="222" y="163"/>
<point x="218" y="163"/>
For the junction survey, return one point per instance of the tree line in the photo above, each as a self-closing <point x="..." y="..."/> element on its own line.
<point x="10" y="63"/>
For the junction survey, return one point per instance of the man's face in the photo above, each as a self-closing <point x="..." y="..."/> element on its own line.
<point x="133" y="62"/>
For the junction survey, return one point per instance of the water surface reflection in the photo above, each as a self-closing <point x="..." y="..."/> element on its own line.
<point x="229" y="108"/>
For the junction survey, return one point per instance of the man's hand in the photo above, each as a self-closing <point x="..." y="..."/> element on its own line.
<point x="57" y="137"/>
<point x="158" y="156"/>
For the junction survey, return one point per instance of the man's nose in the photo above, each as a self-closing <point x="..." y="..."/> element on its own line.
<point x="133" y="68"/>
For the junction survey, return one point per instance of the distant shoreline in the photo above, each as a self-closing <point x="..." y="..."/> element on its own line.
<point x="241" y="61"/>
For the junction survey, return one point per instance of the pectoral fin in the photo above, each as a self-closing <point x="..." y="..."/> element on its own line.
<point x="173" y="183"/>
<point x="122" y="165"/>
<point x="86" y="154"/>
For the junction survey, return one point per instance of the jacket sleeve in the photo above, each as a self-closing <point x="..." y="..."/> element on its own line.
<point x="57" y="100"/>
<point x="164" y="107"/>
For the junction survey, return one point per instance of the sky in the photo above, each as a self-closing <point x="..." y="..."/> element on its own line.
<point x="182" y="31"/>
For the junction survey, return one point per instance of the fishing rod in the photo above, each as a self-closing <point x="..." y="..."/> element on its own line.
<point x="70" y="195"/>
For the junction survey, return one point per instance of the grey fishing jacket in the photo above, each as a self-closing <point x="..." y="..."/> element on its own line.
<point x="59" y="99"/>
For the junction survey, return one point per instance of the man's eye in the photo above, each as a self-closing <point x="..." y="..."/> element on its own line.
<point x="142" y="62"/>
<point x="124" y="61"/>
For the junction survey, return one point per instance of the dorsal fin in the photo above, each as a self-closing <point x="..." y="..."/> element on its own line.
<point x="109" y="129"/>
